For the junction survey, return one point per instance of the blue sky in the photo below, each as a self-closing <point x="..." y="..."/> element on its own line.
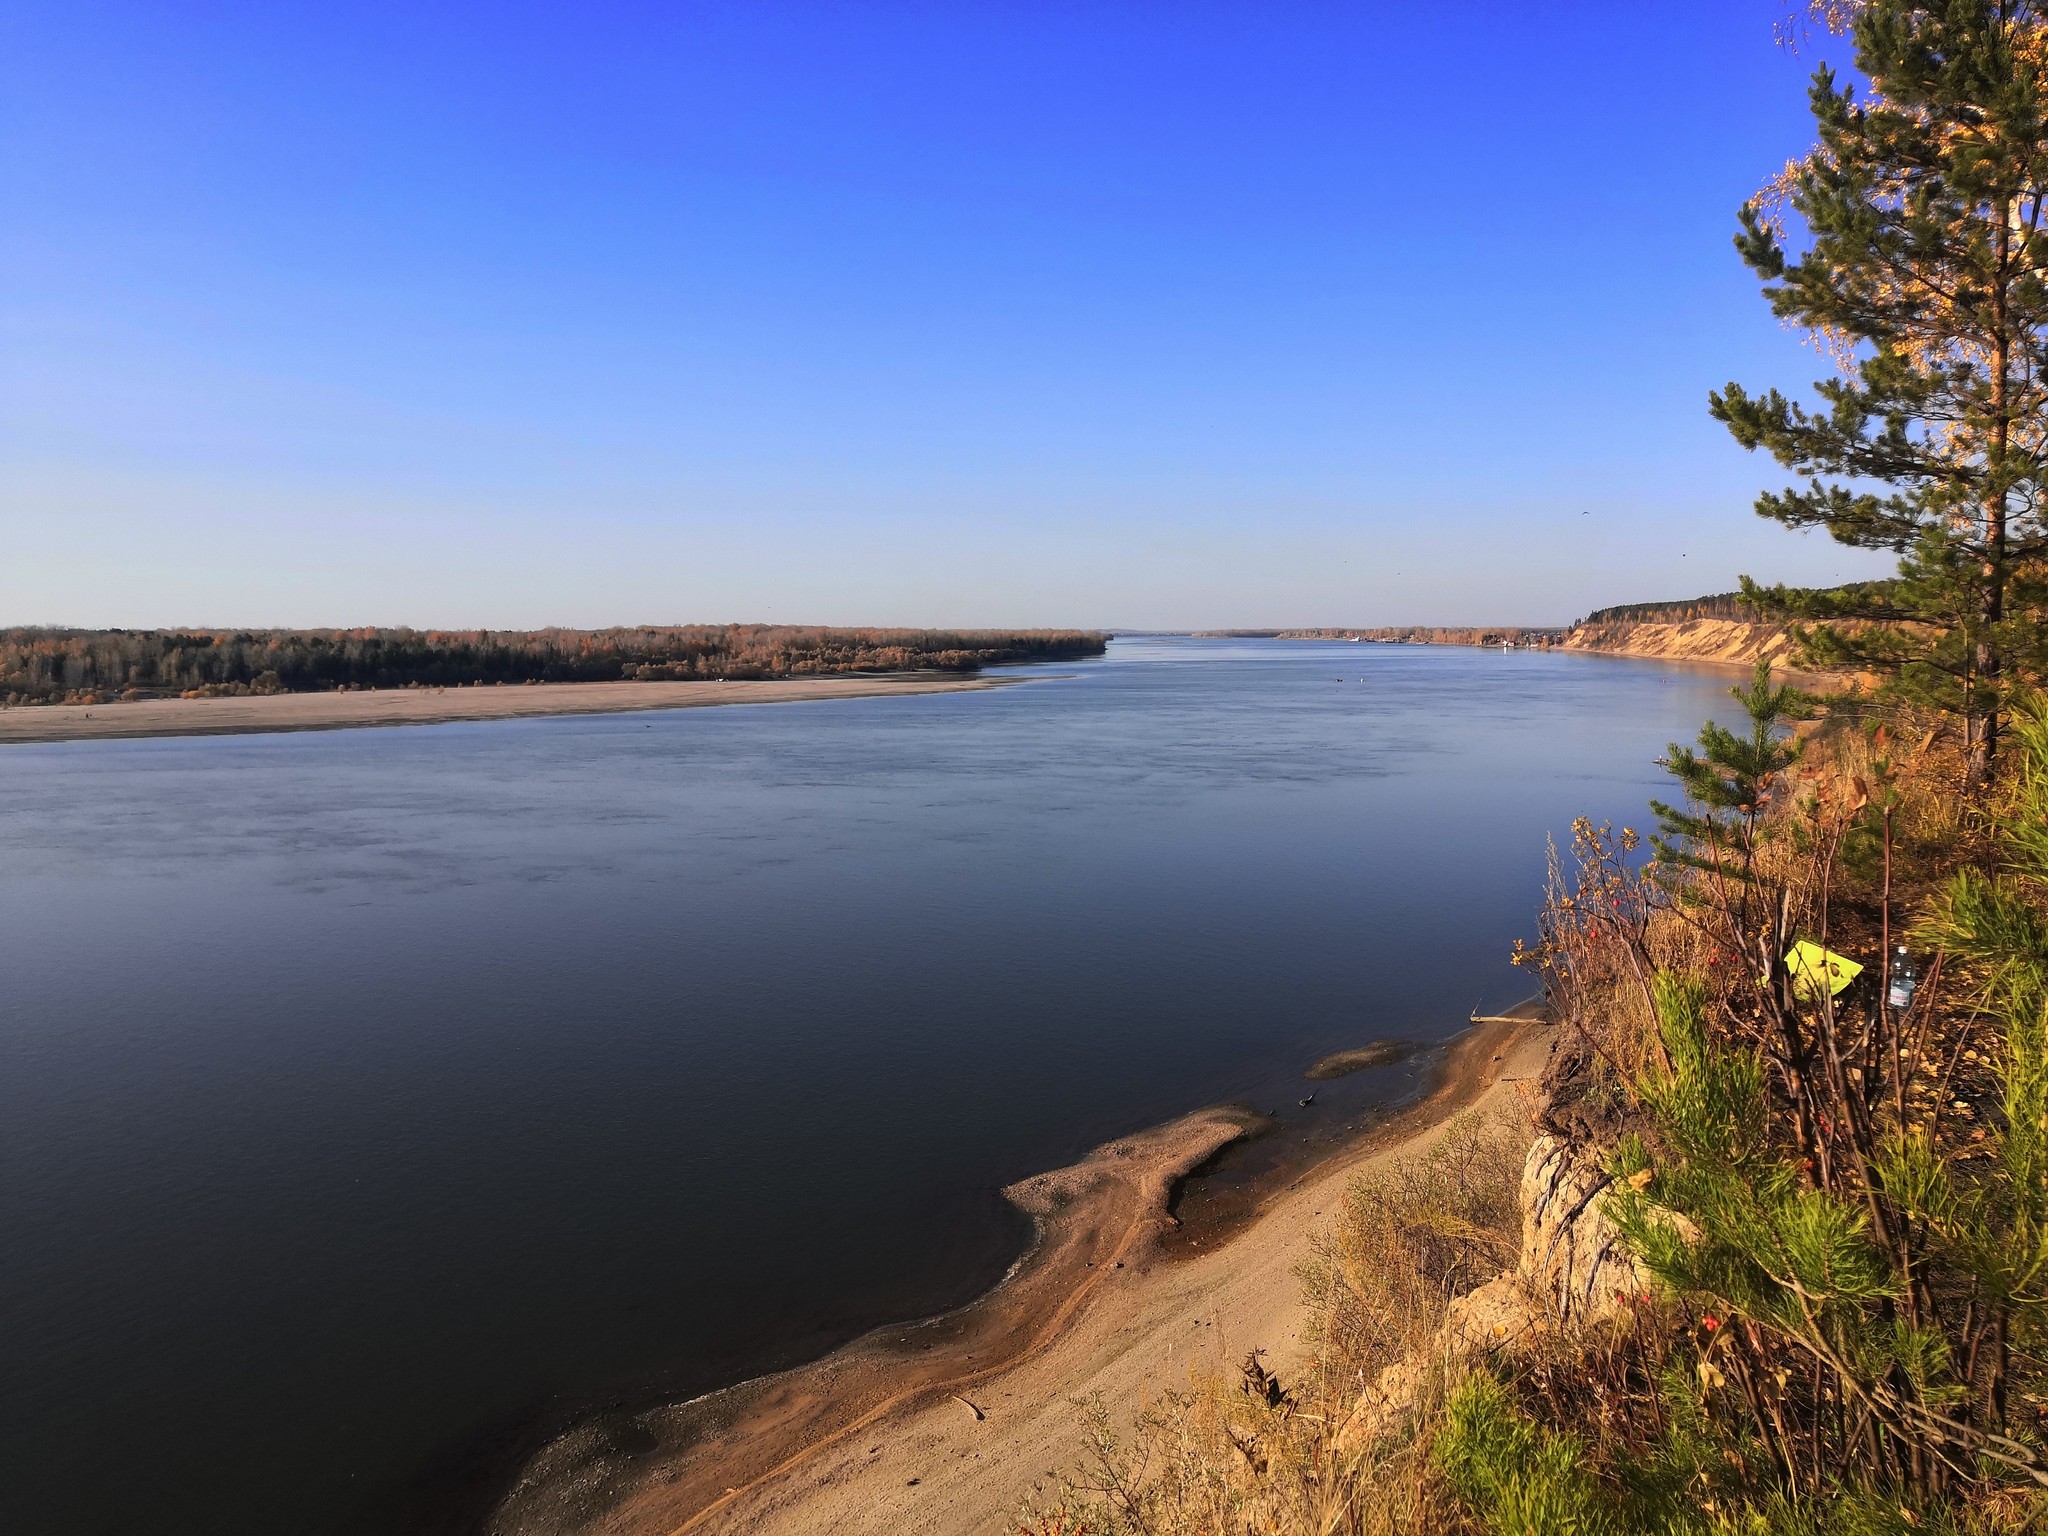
<point x="1158" y="314"/>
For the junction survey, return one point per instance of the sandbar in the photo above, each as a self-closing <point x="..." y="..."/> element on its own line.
<point x="1381" y="1053"/>
<point x="943" y="1427"/>
<point x="433" y="706"/>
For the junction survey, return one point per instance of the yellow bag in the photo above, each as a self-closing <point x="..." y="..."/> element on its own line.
<point x="1810" y="964"/>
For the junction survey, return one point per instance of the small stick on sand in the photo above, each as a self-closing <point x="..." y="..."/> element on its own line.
<point x="970" y="1407"/>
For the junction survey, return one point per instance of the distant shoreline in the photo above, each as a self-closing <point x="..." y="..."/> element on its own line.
<point x="25" y="725"/>
<point x="1728" y="643"/>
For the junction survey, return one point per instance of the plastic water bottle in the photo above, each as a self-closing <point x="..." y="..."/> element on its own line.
<point x="1905" y="977"/>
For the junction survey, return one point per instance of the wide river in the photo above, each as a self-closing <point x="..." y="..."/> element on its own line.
<point x="370" y="1098"/>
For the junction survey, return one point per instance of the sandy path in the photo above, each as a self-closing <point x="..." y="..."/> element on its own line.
<point x="877" y="1438"/>
<point x="430" y="706"/>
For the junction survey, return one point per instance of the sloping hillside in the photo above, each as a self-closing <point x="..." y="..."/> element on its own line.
<point x="1728" y="640"/>
<point x="1717" y="628"/>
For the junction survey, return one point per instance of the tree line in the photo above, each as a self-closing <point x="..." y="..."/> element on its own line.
<point x="46" y="665"/>
<point x="1718" y="605"/>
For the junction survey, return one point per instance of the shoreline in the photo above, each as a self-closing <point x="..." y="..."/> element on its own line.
<point x="145" y="719"/>
<point x="819" y="1444"/>
<point x="1798" y="678"/>
<point x="259" y="714"/>
<point x="1674" y="644"/>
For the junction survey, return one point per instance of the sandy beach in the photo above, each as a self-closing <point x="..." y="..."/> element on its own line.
<point x="433" y="706"/>
<point x="946" y="1426"/>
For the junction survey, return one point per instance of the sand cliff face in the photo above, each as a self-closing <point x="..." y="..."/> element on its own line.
<point x="1736" y="642"/>
<point x="1740" y="641"/>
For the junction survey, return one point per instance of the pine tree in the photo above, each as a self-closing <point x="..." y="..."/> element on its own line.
<point x="1728" y="782"/>
<point x="1923" y="274"/>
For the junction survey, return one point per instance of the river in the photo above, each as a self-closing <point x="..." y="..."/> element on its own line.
<point x="371" y="1099"/>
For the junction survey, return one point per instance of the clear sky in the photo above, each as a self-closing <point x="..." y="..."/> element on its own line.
<point x="1182" y="313"/>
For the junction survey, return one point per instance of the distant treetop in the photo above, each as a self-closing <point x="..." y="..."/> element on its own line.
<point x="1720" y="605"/>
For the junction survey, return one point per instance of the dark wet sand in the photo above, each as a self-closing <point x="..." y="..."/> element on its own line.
<point x="1381" y="1053"/>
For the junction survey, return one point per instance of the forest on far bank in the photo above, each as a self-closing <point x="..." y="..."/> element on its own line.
<point x="55" y="666"/>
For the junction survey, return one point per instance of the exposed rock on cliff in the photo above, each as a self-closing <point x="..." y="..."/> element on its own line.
<point x="1574" y="1270"/>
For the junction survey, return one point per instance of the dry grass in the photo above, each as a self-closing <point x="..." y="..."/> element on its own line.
<point x="1408" y="1241"/>
<point x="1256" y="1455"/>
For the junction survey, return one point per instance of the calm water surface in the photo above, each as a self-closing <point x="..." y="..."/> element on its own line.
<point x="367" y="1097"/>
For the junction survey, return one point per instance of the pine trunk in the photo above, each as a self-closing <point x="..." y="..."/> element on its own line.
<point x="1991" y="606"/>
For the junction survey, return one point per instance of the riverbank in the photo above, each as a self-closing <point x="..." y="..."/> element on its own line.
<point x="948" y="1424"/>
<point x="1710" y="640"/>
<point x="1729" y="642"/>
<point x="435" y="706"/>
